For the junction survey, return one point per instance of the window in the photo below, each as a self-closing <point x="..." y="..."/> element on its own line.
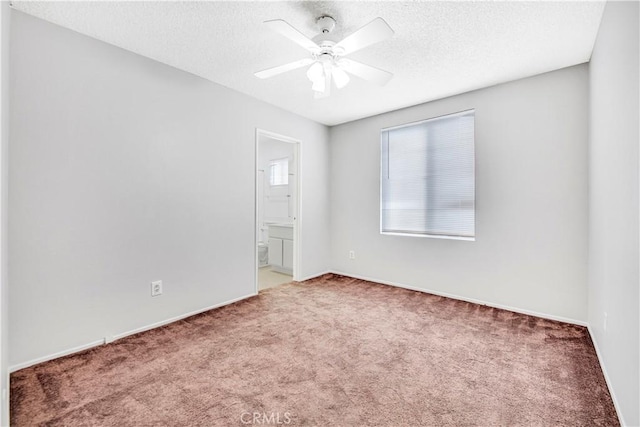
<point x="428" y="178"/>
<point x="279" y="172"/>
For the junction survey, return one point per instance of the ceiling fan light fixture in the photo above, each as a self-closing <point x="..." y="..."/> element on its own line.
<point x="339" y="77"/>
<point x="315" y="72"/>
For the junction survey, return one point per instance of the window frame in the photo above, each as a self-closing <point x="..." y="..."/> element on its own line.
<point x="429" y="235"/>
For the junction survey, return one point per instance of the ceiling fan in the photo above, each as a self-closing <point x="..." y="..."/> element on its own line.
<point x="327" y="61"/>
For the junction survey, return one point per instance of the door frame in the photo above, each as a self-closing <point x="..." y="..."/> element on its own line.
<point x="261" y="133"/>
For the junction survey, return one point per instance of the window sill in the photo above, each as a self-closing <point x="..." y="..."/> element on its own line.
<point x="431" y="236"/>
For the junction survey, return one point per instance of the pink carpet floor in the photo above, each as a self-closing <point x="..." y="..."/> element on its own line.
<point x="332" y="351"/>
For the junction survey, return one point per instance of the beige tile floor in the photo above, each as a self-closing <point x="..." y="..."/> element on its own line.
<point x="270" y="279"/>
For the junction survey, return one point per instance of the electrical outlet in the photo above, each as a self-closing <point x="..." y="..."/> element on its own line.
<point x="156" y="288"/>
<point x="604" y="326"/>
<point x="352" y="255"/>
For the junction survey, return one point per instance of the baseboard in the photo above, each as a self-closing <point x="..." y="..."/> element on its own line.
<point x="48" y="357"/>
<point x="606" y="378"/>
<point x="313" y="276"/>
<point x="471" y="300"/>
<point x="180" y="317"/>
<point x="5" y="412"/>
<point x="115" y="337"/>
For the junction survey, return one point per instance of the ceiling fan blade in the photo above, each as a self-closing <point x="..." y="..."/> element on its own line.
<point x="283" y="28"/>
<point x="270" y="72"/>
<point x="374" y="32"/>
<point x="366" y="72"/>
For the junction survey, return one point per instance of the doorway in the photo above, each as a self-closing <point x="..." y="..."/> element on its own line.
<point x="277" y="209"/>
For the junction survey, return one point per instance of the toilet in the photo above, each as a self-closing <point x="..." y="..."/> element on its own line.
<point x="263" y="254"/>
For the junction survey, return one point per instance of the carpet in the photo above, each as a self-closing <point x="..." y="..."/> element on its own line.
<point x="332" y="351"/>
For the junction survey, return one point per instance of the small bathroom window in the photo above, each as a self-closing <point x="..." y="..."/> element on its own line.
<point x="279" y="172"/>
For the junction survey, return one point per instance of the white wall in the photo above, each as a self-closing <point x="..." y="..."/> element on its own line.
<point x="530" y="251"/>
<point x="124" y="171"/>
<point x="613" y="203"/>
<point x="4" y="145"/>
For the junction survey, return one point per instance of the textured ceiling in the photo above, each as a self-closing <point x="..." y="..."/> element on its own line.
<point x="439" y="48"/>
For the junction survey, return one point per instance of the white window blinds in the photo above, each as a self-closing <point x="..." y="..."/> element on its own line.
<point x="428" y="177"/>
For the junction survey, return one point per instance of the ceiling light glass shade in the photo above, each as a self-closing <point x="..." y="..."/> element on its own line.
<point x="314" y="73"/>
<point x="340" y="77"/>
